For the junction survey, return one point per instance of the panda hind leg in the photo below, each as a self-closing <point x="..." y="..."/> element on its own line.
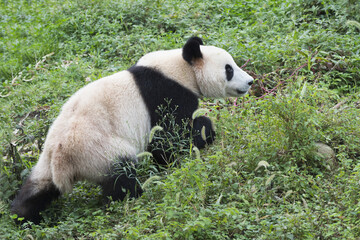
<point x="203" y="132"/>
<point x="32" y="199"/>
<point x="121" y="181"/>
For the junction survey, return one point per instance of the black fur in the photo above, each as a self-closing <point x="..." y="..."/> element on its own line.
<point x="121" y="181"/>
<point x="198" y="125"/>
<point x="29" y="202"/>
<point x="159" y="90"/>
<point x="229" y="72"/>
<point x="197" y="39"/>
<point x="191" y="49"/>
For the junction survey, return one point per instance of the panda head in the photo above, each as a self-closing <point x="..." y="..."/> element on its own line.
<point x="216" y="72"/>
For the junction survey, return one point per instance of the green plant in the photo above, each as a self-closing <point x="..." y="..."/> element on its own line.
<point x="174" y="138"/>
<point x="305" y="57"/>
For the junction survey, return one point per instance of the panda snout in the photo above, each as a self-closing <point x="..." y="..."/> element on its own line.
<point x="243" y="90"/>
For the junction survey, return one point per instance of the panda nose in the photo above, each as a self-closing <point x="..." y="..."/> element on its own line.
<point x="250" y="83"/>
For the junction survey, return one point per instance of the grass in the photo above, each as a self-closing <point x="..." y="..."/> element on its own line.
<point x="262" y="179"/>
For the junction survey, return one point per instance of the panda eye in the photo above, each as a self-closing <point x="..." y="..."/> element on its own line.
<point x="229" y="72"/>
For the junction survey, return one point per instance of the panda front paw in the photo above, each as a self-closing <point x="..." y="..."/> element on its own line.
<point x="203" y="131"/>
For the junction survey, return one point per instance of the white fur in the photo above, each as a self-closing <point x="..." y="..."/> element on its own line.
<point x="102" y="121"/>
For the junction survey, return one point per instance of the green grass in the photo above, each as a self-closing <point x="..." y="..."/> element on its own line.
<point x="262" y="179"/>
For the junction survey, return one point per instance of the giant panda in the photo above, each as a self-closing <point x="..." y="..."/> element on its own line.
<point x="105" y="124"/>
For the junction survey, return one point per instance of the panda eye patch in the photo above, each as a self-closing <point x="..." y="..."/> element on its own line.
<point x="229" y="72"/>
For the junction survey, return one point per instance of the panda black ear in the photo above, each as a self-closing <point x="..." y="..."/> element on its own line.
<point x="191" y="49"/>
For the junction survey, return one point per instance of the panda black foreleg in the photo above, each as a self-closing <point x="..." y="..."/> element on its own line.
<point x="121" y="181"/>
<point x="202" y="131"/>
<point x="32" y="199"/>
